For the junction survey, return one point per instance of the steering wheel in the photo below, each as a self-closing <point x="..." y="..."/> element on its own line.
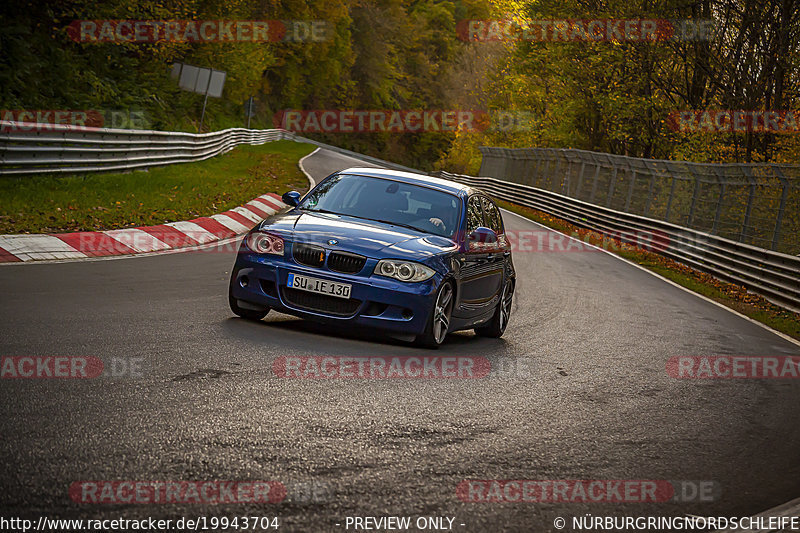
<point x="429" y="222"/>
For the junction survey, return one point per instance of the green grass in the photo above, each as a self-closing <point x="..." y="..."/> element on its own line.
<point x="733" y="296"/>
<point x="90" y="202"/>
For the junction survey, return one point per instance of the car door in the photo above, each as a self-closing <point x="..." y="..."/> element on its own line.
<point x="499" y="253"/>
<point x="481" y="273"/>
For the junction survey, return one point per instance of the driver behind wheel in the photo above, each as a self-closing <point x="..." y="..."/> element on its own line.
<point x="443" y="216"/>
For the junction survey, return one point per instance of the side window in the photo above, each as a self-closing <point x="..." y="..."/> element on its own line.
<point x="474" y="214"/>
<point x="492" y="215"/>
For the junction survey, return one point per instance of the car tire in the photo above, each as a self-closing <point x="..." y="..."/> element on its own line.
<point x="496" y="326"/>
<point x="249" y="314"/>
<point x="439" y="321"/>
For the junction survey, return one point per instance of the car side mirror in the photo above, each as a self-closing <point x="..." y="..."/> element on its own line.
<point x="291" y="198"/>
<point x="481" y="238"/>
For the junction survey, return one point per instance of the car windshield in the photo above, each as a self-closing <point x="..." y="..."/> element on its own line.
<point x="384" y="200"/>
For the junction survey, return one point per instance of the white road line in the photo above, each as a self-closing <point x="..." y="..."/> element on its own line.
<point x="231" y="224"/>
<point x="139" y="240"/>
<point x="665" y="280"/>
<point x="311" y="181"/>
<point x="195" y="231"/>
<point x="37" y="247"/>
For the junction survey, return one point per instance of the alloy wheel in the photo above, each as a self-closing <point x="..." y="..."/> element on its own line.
<point x="441" y="313"/>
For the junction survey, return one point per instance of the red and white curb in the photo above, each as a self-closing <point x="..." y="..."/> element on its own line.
<point x="147" y="239"/>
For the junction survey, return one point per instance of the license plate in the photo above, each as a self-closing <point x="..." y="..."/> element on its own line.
<point x="319" y="286"/>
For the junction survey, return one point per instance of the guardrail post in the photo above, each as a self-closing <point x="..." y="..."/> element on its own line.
<point x="546" y="173"/>
<point x="63" y="142"/>
<point x="505" y="164"/>
<point x="695" y="194"/>
<point x="596" y="178"/>
<point x="632" y="172"/>
<point x="527" y="168"/>
<point x="522" y="165"/>
<point x="750" y="197"/>
<point x="776" y="235"/>
<point x="570" y="172"/>
<point x="719" y="204"/>
<point x="671" y="194"/>
<point x="499" y="163"/>
<point x="511" y="166"/>
<point x="539" y="171"/>
<point x="580" y="179"/>
<point x="510" y="163"/>
<point x="557" y="174"/>
<point x="649" y="198"/>
<point x="611" y="184"/>
<point x="568" y="175"/>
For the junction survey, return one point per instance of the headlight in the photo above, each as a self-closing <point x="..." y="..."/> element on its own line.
<point x="264" y="243"/>
<point x="403" y="270"/>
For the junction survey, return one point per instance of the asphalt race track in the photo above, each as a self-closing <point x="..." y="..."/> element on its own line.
<point x="578" y="390"/>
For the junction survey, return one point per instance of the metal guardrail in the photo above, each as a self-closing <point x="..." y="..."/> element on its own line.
<point x="753" y="203"/>
<point x="54" y="148"/>
<point x="29" y="149"/>
<point x="773" y="275"/>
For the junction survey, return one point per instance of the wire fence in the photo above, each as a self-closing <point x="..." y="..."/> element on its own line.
<point x="756" y="203"/>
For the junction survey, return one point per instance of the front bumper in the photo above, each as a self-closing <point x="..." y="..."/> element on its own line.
<point x="375" y="301"/>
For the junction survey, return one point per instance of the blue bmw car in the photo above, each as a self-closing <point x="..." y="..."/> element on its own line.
<point x="414" y="256"/>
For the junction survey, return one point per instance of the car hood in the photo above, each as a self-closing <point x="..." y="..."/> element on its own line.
<point x="366" y="237"/>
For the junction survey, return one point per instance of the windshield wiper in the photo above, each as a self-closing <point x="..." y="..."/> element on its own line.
<point x="323" y="211"/>
<point x="407" y="226"/>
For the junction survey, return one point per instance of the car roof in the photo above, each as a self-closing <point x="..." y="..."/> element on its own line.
<point x="409" y="177"/>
